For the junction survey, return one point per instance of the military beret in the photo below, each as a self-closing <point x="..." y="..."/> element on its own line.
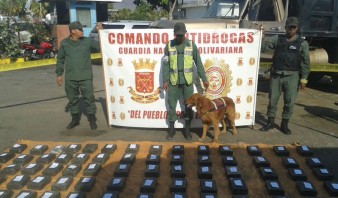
<point x="292" y="21"/>
<point x="75" y="25"/>
<point x="180" y="29"/>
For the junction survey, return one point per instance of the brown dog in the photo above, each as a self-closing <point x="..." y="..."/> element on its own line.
<point x="214" y="112"/>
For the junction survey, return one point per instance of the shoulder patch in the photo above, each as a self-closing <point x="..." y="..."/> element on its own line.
<point x="165" y="59"/>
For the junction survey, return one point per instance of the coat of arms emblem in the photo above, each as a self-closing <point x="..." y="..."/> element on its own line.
<point x="144" y="82"/>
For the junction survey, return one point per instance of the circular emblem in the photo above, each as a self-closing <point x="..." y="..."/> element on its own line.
<point x="239" y="81"/>
<point x="238" y="115"/>
<point x="216" y="80"/>
<point x="121" y="82"/>
<point x="219" y="78"/>
<point x="122" y="116"/>
<point x="249" y="99"/>
<point x="110" y="62"/>
<point x="121" y="100"/>
<point x="252" y="61"/>
<point x="112" y="99"/>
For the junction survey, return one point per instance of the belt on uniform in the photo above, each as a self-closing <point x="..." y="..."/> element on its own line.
<point x="185" y="70"/>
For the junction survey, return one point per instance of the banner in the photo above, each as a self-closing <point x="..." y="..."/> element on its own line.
<point x="133" y="79"/>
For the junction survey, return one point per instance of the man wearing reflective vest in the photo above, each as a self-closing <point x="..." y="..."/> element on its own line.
<point x="180" y="55"/>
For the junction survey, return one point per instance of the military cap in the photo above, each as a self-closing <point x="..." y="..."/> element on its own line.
<point x="75" y="25"/>
<point x="179" y="29"/>
<point x="292" y="21"/>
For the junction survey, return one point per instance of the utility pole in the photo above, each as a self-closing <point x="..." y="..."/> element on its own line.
<point x="40" y="11"/>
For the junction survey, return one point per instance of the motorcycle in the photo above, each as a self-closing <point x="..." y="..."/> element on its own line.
<point x="44" y="50"/>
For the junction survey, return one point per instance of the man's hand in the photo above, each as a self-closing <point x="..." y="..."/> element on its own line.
<point x="206" y="85"/>
<point x="302" y="86"/>
<point x="98" y="27"/>
<point x="59" y="80"/>
<point x="165" y="86"/>
<point x="261" y="27"/>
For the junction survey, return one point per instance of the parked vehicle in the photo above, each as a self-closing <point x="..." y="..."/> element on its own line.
<point x="25" y="30"/>
<point x="318" y="25"/>
<point x="44" y="50"/>
<point x="122" y="24"/>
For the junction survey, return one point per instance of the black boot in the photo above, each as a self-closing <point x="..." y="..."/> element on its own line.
<point x="187" y="134"/>
<point x="75" y="121"/>
<point x="171" y="130"/>
<point x="269" y="125"/>
<point x="92" y="121"/>
<point x="284" y="127"/>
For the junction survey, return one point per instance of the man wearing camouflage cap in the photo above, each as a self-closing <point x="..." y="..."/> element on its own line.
<point x="289" y="71"/>
<point x="180" y="55"/>
<point x="74" y="60"/>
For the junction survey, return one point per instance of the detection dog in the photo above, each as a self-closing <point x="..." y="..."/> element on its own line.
<point x="213" y="112"/>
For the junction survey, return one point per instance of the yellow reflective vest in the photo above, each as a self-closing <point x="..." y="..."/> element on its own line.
<point x="188" y="63"/>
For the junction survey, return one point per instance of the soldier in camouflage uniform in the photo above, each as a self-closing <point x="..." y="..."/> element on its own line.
<point x="179" y="57"/>
<point x="74" y="60"/>
<point x="289" y="72"/>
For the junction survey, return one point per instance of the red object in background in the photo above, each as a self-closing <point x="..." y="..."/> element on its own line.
<point x="33" y="52"/>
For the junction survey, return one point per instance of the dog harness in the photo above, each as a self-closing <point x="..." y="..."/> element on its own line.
<point x="218" y="103"/>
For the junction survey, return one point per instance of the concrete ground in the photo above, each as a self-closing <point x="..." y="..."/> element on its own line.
<point x="32" y="108"/>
